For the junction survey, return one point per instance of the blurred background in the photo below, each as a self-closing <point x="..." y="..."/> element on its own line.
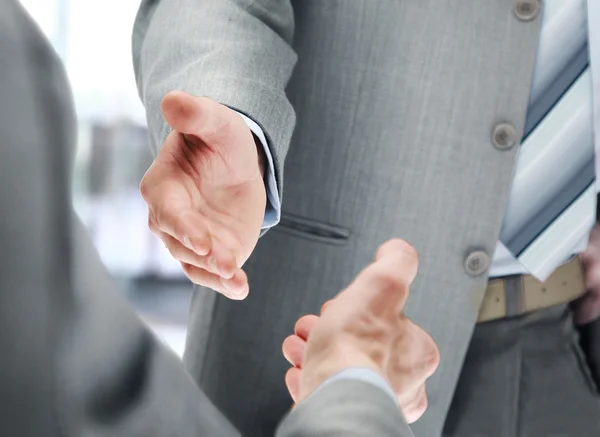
<point x="94" y="41"/>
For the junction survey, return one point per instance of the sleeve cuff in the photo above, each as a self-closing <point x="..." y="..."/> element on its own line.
<point x="361" y="374"/>
<point x="273" y="209"/>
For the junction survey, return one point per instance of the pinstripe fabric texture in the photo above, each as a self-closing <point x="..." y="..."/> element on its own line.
<point x="533" y="382"/>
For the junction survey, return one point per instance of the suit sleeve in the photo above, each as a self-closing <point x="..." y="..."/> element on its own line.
<point x="361" y="374"/>
<point x="236" y="52"/>
<point x="347" y="408"/>
<point x="76" y="360"/>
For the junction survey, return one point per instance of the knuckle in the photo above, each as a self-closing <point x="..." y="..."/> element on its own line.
<point x="175" y="253"/>
<point x="430" y="355"/>
<point x="145" y="188"/>
<point x="193" y="279"/>
<point x="416" y="406"/>
<point x="195" y="274"/>
<point x="163" y="217"/>
<point x="159" y="215"/>
<point x="433" y="359"/>
<point x="187" y="268"/>
<point x="152" y="224"/>
<point x="421" y="404"/>
<point x="190" y="272"/>
<point x="423" y="356"/>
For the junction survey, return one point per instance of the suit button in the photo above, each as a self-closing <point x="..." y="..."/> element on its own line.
<point x="527" y="10"/>
<point x="504" y="136"/>
<point x="477" y="262"/>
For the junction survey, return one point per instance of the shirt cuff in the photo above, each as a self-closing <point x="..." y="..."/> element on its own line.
<point x="361" y="374"/>
<point x="273" y="209"/>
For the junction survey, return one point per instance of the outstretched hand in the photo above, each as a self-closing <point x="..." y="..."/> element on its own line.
<point x="205" y="192"/>
<point x="364" y="327"/>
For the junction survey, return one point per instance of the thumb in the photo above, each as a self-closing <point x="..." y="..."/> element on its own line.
<point x="198" y="116"/>
<point x="402" y="253"/>
<point x="383" y="286"/>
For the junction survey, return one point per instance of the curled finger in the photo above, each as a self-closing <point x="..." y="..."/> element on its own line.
<point x="292" y="382"/>
<point x="186" y="226"/>
<point x="222" y="264"/>
<point x="305" y="325"/>
<point x="423" y="355"/>
<point x="325" y="305"/>
<point x="234" y="288"/>
<point x="293" y="349"/>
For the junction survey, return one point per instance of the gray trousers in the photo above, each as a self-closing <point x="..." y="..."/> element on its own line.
<point x="526" y="377"/>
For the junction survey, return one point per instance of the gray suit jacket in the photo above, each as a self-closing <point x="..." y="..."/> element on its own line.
<point x="76" y="361"/>
<point x="379" y="116"/>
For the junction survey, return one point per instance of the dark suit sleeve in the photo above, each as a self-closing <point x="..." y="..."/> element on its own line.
<point x="76" y="361"/>
<point x="346" y="408"/>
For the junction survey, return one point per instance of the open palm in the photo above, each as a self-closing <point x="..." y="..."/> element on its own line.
<point x="205" y="192"/>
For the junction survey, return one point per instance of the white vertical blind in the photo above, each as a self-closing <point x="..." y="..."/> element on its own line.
<point x="45" y="13"/>
<point x="94" y="40"/>
<point x="99" y="60"/>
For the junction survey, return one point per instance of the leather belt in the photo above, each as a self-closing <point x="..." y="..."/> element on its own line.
<point x="521" y="294"/>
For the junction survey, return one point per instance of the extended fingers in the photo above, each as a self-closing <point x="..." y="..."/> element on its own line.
<point x="235" y="287"/>
<point x="186" y="255"/>
<point x="293" y="346"/>
<point x="186" y="226"/>
<point x="217" y="260"/>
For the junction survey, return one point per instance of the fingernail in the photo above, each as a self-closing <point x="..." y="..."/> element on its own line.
<point x="212" y="264"/>
<point x="226" y="284"/>
<point x="233" y="291"/>
<point x="200" y="249"/>
<point x="227" y="275"/>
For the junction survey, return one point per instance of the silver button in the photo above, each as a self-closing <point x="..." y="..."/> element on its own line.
<point x="504" y="136"/>
<point x="477" y="262"/>
<point x="527" y="10"/>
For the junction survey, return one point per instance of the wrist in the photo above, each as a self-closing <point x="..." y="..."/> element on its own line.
<point x="317" y="369"/>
